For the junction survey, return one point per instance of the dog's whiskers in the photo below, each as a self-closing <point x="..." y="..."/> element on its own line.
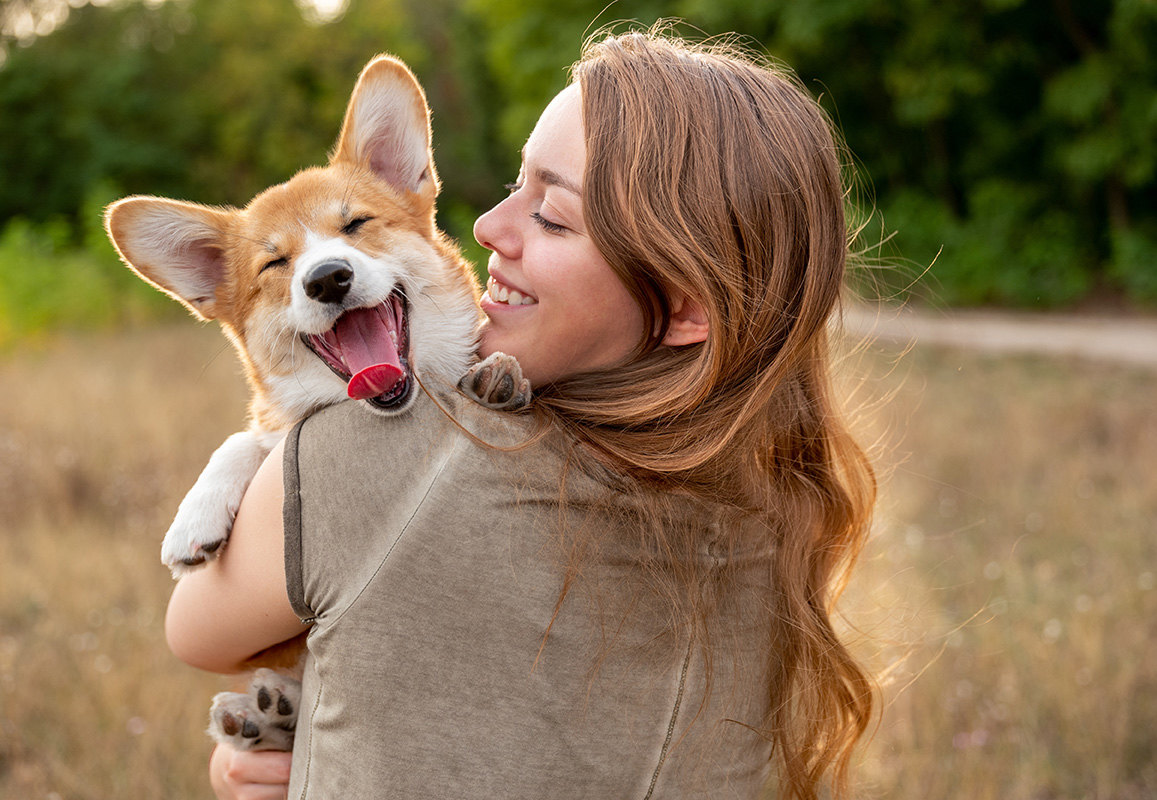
<point x="296" y="346"/>
<point x="431" y="298"/>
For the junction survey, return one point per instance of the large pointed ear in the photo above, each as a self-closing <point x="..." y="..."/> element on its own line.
<point x="387" y="128"/>
<point x="177" y="247"/>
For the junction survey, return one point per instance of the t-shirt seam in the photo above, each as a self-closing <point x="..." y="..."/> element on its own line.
<point x="671" y="723"/>
<point x="294" y="561"/>
<point x="309" y="733"/>
<point x="405" y="528"/>
<point x="401" y="534"/>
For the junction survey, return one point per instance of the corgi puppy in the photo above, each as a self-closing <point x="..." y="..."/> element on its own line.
<point x="336" y="284"/>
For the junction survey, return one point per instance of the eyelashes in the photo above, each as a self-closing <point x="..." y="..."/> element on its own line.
<point x="546" y="224"/>
<point x="539" y="219"/>
<point x="354" y="225"/>
<point x="276" y="263"/>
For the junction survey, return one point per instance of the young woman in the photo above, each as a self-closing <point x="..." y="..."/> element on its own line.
<point x="626" y="592"/>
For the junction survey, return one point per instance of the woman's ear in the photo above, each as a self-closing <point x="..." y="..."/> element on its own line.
<point x="688" y="322"/>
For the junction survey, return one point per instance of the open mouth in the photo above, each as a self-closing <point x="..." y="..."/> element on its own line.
<point x="505" y="295"/>
<point x="368" y="348"/>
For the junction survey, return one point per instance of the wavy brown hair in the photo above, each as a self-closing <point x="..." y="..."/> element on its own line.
<point x="713" y="175"/>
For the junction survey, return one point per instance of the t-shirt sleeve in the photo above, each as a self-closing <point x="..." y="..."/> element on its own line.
<point x="353" y="481"/>
<point x="291" y="516"/>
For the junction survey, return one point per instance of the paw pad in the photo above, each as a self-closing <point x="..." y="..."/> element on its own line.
<point x="497" y="382"/>
<point x="264" y="718"/>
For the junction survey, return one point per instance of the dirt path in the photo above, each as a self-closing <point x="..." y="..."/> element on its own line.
<point x="1124" y="340"/>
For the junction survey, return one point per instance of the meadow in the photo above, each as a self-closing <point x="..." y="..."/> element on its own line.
<point x="1008" y="597"/>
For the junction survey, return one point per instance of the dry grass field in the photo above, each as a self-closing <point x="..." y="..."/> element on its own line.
<point x="1012" y="586"/>
<point x="1008" y="598"/>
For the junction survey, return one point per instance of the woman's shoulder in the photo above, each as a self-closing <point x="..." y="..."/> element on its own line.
<point x="439" y="427"/>
<point x="432" y="414"/>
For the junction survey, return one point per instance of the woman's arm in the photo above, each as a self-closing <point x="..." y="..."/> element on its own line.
<point x="237" y="605"/>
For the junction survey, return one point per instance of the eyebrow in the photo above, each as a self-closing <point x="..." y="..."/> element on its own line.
<point x="552" y="178"/>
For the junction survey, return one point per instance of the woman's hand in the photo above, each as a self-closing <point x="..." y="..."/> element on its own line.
<point x="249" y="774"/>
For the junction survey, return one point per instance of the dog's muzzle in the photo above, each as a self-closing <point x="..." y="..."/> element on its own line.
<point x="368" y="348"/>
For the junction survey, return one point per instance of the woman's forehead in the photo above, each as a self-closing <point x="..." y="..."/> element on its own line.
<point x="556" y="150"/>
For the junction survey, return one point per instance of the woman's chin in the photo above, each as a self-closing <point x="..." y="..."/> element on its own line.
<point x="492" y="340"/>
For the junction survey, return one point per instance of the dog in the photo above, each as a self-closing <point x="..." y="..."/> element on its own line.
<point x="335" y="284"/>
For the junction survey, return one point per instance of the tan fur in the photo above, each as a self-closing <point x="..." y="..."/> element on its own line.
<point x="250" y="269"/>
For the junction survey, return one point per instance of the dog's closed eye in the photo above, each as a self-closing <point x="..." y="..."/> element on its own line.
<point x="276" y="263"/>
<point x="354" y="225"/>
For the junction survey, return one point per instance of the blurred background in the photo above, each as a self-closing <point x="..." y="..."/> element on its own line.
<point x="1004" y="159"/>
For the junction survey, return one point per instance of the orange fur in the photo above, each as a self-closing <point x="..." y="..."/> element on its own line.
<point x="367" y="217"/>
<point x="284" y="276"/>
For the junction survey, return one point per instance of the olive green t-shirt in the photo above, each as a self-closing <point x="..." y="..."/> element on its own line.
<point x="429" y="553"/>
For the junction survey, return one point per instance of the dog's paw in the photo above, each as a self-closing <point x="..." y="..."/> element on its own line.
<point x="496" y="382"/>
<point x="197" y="534"/>
<point x="205" y="517"/>
<point x="264" y="718"/>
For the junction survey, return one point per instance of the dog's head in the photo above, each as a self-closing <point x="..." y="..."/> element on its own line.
<point x="334" y="283"/>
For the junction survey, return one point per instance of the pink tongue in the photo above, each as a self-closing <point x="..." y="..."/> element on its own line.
<point x="369" y="352"/>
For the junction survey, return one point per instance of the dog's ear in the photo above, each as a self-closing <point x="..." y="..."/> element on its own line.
<point x="387" y="128"/>
<point x="177" y="247"/>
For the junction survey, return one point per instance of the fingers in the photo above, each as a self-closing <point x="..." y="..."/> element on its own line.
<point x="249" y="775"/>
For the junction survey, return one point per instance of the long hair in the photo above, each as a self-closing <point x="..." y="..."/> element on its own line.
<point x="714" y="176"/>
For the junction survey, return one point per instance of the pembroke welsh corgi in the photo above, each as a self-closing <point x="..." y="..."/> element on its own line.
<point x="334" y="284"/>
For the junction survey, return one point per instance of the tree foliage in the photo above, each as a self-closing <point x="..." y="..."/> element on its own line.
<point x="1017" y="140"/>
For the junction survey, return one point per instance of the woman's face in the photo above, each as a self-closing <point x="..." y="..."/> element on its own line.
<point x="552" y="301"/>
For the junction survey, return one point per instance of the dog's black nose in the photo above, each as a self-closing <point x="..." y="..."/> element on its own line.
<point x="329" y="282"/>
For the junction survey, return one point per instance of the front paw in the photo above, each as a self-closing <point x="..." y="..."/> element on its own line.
<point x="496" y="382"/>
<point x="205" y="517"/>
<point x="199" y="530"/>
<point x="264" y="718"/>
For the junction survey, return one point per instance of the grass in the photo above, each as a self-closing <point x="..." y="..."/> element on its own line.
<point x="1008" y="596"/>
<point x="100" y="435"/>
<point x="1011" y="585"/>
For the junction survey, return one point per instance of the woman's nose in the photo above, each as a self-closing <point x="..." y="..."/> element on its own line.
<point x="493" y="230"/>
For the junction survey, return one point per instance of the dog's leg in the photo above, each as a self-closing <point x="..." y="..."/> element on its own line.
<point x="264" y="718"/>
<point x="205" y="517"/>
<point x="496" y="382"/>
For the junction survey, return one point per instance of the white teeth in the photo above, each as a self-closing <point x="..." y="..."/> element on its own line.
<point x="503" y="294"/>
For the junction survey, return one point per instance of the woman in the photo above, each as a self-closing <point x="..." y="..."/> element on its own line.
<point x="629" y="595"/>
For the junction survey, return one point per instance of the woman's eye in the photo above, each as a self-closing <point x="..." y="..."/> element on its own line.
<point x="546" y="224"/>
<point x="354" y="225"/>
<point x="276" y="263"/>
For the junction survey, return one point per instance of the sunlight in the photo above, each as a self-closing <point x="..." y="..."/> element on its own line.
<point x="322" y="11"/>
<point x="27" y="20"/>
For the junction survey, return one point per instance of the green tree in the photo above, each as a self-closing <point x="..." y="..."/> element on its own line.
<point x="1018" y="140"/>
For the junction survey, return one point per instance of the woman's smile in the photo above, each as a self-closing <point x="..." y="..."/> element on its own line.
<point x="552" y="301"/>
<point x="499" y="293"/>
